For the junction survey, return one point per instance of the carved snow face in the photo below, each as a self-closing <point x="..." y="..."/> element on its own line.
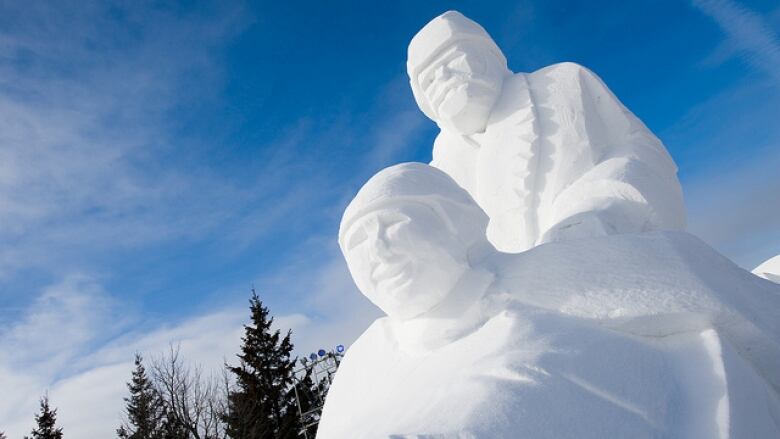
<point x="461" y="85"/>
<point x="404" y="258"/>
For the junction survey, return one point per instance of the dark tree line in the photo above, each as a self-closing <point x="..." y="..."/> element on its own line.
<point x="253" y="399"/>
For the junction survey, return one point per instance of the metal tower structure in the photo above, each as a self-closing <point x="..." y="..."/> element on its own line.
<point x="319" y="368"/>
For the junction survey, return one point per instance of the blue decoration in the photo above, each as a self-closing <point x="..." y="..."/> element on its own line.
<point x="340" y="348"/>
<point x="322" y="352"/>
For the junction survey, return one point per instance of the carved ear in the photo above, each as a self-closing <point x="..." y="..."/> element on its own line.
<point x="467" y="223"/>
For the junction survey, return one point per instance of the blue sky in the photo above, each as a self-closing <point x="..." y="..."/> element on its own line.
<point x="156" y="161"/>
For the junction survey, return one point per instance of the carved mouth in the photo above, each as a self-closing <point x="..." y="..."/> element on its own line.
<point x="387" y="271"/>
<point x="390" y="278"/>
<point x="442" y="93"/>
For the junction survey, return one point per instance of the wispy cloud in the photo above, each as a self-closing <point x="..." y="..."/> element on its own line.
<point x="729" y="199"/>
<point x="85" y="154"/>
<point x="736" y="211"/>
<point x="40" y="348"/>
<point x="76" y="343"/>
<point x="65" y="318"/>
<point x="91" y="166"/>
<point x="397" y="130"/>
<point x="749" y="34"/>
<point x="729" y="144"/>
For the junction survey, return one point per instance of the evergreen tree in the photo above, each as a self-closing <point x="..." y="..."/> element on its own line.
<point x="145" y="410"/>
<point x="46" y="422"/>
<point x="262" y="403"/>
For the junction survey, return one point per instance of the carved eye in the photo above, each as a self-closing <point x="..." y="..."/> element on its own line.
<point x="461" y="64"/>
<point x="357" y="237"/>
<point x="392" y="230"/>
<point x="395" y="224"/>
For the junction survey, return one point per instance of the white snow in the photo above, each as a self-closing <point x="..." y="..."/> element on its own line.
<point x="550" y="155"/>
<point x="769" y="269"/>
<point x="537" y="279"/>
<point x="652" y="335"/>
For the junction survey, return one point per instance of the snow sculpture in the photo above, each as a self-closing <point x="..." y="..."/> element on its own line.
<point x="549" y="155"/>
<point x="621" y="325"/>
<point x="397" y="236"/>
<point x="632" y="335"/>
<point x="769" y="269"/>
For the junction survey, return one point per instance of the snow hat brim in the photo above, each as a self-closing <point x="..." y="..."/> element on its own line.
<point x="420" y="183"/>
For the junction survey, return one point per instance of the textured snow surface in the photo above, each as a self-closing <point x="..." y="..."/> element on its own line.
<point x="557" y="156"/>
<point x="598" y="317"/>
<point x="640" y="336"/>
<point x="769" y="269"/>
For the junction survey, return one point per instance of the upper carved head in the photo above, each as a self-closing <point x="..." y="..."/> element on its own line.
<point x="456" y="72"/>
<point x="406" y="238"/>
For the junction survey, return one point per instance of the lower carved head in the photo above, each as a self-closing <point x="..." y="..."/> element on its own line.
<point x="406" y="238"/>
<point x="456" y="72"/>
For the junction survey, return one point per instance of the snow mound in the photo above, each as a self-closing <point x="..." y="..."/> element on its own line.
<point x="769" y="269"/>
<point x="641" y="336"/>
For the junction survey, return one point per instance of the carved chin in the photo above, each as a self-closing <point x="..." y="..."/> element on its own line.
<point x="407" y="300"/>
<point x="466" y="110"/>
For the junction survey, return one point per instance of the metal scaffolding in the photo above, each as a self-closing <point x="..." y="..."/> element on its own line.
<point x="310" y="393"/>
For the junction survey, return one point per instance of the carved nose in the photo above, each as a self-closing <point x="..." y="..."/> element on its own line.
<point x="381" y="249"/>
